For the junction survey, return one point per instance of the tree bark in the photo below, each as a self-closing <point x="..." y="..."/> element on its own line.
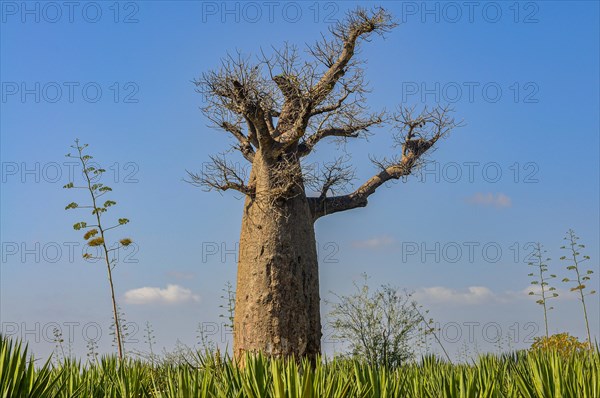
<point x="277" y="309"/>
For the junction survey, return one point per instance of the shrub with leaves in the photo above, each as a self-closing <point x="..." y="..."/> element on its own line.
<point x="563" y="343"/>
<point x="95" y="230"/>
<point x="382" y="327"/>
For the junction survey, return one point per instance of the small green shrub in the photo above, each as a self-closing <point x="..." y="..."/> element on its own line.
<point x="563" y="343"/>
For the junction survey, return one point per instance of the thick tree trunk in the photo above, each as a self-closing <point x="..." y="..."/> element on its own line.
<point x="277" y="294"/>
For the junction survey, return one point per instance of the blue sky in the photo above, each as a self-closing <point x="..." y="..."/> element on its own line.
<point x="523" y="76"/>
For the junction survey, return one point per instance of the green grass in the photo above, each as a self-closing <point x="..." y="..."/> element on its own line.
<point x="522" y="374"/>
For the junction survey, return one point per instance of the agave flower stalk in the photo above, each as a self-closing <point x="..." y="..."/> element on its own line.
<point x="574" y="257"/>
<point x="546" y="291"/>
<point x="95" y="233"/>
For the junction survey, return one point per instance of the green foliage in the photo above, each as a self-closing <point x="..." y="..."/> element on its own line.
<point x="90" y="234"/>
<point x="79" y="226"/>
<point x="529" y="374"/>
<point x="99" y="241"/>
<point x="19" y="376"/>
<point x="383" y="327"/>
<point x="71" y="205"/>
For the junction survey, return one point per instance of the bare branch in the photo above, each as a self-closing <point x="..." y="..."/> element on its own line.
<point x="239" y="89"/>
<point x="331" y="177"/>
<point x="351" y="129"/>
<point x="332" y="107"/>
<point x="304" y="87"/>
<point x="358" y="24"/>
<point x="293" y="78"/>
<point x="224" y="120"/>
<point x="328" y="205"/>
<point x="416" y="136"/>
<point x="222" y="176"/>
<point x="245" y="147"/>
<point x="293" y="89"/>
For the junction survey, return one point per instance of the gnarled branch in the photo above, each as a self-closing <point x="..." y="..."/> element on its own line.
<point x="245" y="147"/>
<point x="359" y="23"/>
<point x="322" y="206"/>
<point x="416" y="136"/>
<point x="236" y="90"/>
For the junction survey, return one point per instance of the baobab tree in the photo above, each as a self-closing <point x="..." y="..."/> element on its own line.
<point x="279" y="109"/>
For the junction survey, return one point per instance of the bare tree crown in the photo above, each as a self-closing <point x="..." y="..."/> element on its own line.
<point x="279" y="108"/>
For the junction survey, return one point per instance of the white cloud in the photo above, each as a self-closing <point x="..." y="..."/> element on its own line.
<point x="373" y="243"/>
<point x="473" y="295"/>
<point x="172" y="294"/>
<point x="489" y="199"/>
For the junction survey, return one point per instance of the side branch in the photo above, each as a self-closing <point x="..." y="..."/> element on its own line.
<point x="415" y="136"/>
<point x="331" y="107"/>
<point x="261" y="126"/>
<point x="358" y="24"/>
<point x="353" y="130"/>
<point x="221" y="176"/>
<point x="328" y="205"/>
<point x="245" y="146"/>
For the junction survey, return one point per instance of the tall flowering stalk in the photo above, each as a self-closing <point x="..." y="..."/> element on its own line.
<point x="581" y="279"/>
<point x="95" y="232"/>
<point x="546" y="291"/>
